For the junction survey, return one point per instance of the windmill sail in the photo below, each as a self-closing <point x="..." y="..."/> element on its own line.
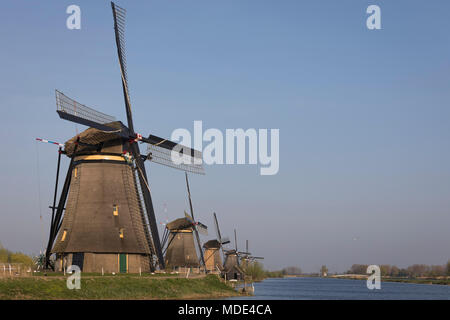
<point x="162" y="154"/>
<point x="197" y="237"/>
<point x="145" y="196"/>
<point x="71" y="110"/>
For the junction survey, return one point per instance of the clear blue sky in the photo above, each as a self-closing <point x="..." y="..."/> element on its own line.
<point x="364" y="118"/>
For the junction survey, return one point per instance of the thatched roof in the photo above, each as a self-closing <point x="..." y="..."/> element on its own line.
<point x="94" y="136"/>
<point x="179" y="224"/>
<point x="212" y="244"/>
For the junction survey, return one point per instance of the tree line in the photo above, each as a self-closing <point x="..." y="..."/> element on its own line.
<point x="7" y="256"/>
<point x="413" y="271"/>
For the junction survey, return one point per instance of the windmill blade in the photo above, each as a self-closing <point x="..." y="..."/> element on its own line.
<point x="119" y="30"/>
<point x="193" y="219"/>
<point x="71" y="110"/>
<point x="225" y="240"/>
<point x="188" y="216"/>
<point x="218" y="235"/>
<point x="203" y="229"/>
<point x="160" y="151"/>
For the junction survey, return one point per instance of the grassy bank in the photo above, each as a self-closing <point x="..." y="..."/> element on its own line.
<point x="419" y="281"/>
<point x="130" y="287"/>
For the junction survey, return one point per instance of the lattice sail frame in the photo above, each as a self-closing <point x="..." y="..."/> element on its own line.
<point x="120" y="18"/>
<point x="164" y="156"/>
<point x="72" y="107"/>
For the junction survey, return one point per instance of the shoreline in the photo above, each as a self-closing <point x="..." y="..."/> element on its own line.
<point x="444" y="281"/>
<point x="433" y="281"/>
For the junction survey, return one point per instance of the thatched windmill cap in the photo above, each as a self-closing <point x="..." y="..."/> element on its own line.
<point x="94" y="136"/>
<point x="212" y="244"/>
<point x="179" y="224"/>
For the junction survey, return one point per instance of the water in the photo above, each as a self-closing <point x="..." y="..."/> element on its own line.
<point x="334" y="289"/>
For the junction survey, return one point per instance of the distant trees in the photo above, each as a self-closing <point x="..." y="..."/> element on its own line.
<point x="415" y="270"/>
<point x="254" y="269"/>
<point x="292" y="271"/>
<point x="358" y="269"/>
<point x="7" y="256"/>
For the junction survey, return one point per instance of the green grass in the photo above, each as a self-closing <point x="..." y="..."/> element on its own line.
<point x="92" y="274"/>
<point x="419" y="281"/>
<point x="114" y="288"/>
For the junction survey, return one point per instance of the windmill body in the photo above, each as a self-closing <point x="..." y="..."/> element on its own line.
<point x="231" y="267"/>
<point x="213" y="250"/>
<point x="181" y="252"/>
<point x="213" y="260"/>
<point x="104" y="225"/>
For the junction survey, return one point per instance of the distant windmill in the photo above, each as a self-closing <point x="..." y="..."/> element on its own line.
<point x="178" y="240"/>
<point x="109" y="221"/>
<point x="231" y="266"/>
<point x="246" y="256"/>
<point x="213" y="249"/>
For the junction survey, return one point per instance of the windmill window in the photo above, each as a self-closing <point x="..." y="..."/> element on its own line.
<point x="75" y="172"/>
<point x="121" y="233"/>
<point x="115" y="210"/>
<point x="64" y="235"/>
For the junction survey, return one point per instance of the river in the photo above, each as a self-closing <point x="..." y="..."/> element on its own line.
<point x="334" y="289"/>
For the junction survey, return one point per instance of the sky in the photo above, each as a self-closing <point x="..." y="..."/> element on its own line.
<point x="364" y="118"/>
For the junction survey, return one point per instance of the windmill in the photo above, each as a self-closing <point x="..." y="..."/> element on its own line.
<point x="109" y="221"/>
<point x="213" y="249"/>
<point x="178" y="240"/>
<point x="246" y="256"/>
<point x="231" y="266"/>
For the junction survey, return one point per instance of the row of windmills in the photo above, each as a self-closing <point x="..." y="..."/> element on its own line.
<point x="104" y="220"/>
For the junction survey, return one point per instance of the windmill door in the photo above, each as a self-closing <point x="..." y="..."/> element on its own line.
<point x="78" y="259"/>
<point x="123" y="263"/>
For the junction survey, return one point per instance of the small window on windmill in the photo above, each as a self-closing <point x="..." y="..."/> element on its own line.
<point x="115" y="210"/>
<point x="75" y="172"/>
<point x="64" y="235"/>
<point x="121" y="233"/>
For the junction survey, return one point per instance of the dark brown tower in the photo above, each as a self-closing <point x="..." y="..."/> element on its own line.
<point x="104" y="224"/>
<point x="181" y="251"/>
<point x="231" y="267"/>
